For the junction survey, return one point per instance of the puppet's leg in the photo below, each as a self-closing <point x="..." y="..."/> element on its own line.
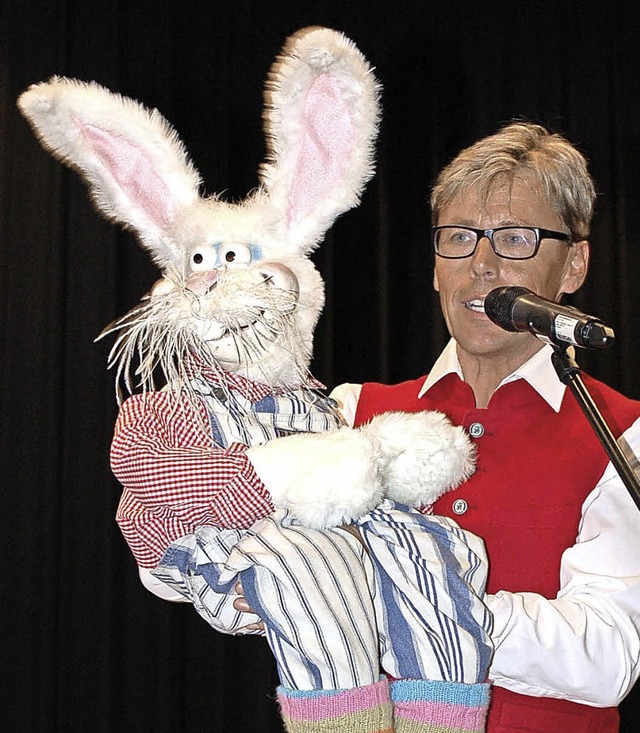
<point x="312" y="590"/>
<point x="434" y="627"/>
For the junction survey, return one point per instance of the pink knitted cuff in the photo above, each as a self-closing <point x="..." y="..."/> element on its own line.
<point x="366" y="709"/>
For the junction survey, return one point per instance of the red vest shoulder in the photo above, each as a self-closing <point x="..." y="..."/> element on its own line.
<point x="376" y="398"/>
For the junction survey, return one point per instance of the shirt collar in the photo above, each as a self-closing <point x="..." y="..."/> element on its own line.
<point x="538" y="371"/>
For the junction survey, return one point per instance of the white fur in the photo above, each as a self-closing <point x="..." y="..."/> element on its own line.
<point x="324" y="479"/>
<point x="323" y="52"/>
<point x="60" y="108"/>
<point x="139" y="175"/>
<point x="329" y="478"/>
<point x="425" y="455"/>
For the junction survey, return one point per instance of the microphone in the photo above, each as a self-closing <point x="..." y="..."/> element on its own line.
<point x="518" y="309"/>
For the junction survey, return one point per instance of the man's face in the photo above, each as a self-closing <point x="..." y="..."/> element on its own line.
<point x="463" y="283"/>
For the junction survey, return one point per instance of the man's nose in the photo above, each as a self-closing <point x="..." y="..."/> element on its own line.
<point x="484" y="261"/>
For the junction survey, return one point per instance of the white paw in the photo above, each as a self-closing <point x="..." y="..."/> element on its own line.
<point x="424" y="455"/>
<point x="323" y="479"/>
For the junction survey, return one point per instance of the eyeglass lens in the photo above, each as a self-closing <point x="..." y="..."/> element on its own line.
<point x="515" y="243"/>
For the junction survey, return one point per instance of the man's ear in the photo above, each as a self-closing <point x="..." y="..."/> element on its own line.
<point x="577" y="267"/>
<point x="436" y="286"/>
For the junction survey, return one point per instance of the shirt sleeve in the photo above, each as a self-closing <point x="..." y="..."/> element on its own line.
<point x="583" y="645"/>
<point x="175" y="478"/>
<point x="347" y="396"/>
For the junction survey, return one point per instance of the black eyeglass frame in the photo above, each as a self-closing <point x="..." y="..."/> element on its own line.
<point x="488" y="233"/>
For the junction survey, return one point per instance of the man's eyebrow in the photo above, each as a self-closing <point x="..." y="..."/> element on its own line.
<point x="504" y="223"/>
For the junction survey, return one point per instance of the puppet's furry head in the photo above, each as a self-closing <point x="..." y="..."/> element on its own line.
<point x="238" y="290"/>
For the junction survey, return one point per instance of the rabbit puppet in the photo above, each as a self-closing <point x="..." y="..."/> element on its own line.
<point x="239" y="467"/>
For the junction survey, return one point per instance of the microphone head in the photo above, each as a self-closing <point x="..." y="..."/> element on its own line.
<point x="498" y="305"/>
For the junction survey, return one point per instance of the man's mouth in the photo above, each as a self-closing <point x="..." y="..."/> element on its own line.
<point x="476" y="305"/>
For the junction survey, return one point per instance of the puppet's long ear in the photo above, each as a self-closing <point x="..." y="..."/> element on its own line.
<point x="321" y="120"/>
<point x="136" y="168"/>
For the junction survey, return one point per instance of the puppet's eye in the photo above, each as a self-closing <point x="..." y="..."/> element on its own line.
<point x="235" y="254"/>
<point x="203" y="258"/>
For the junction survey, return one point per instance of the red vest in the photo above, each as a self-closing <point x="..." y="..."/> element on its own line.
<point x="535" y="468"/>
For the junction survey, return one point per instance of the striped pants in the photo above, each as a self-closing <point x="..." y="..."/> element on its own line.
<point x="404" y="597"/>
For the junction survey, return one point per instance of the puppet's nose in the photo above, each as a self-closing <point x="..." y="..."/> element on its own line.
<point x="200" y="283"/>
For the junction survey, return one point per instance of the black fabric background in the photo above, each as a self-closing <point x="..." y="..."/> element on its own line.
<point x="84" y="646"/>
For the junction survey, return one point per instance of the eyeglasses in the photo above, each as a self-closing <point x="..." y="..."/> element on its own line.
<point x="511" y="243"/>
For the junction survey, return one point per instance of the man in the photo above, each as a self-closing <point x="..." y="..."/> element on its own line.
<point x="562" y="533"/>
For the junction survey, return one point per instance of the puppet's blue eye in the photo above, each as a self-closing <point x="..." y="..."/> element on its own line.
<point x="224" y="254"/>
<point x="235" y="254"/>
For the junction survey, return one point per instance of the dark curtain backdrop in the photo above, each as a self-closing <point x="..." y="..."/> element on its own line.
<point x="84" y="646"/>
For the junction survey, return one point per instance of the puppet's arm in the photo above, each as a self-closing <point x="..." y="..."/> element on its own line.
<point x="175" y="478"/>
<point x="164" y="457"/>
<point x="333" y="478"/>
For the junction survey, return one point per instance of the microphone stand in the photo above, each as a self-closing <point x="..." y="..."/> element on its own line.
<point x="568" y="371"/>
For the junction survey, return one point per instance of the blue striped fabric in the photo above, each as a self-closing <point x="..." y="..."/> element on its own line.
<point x="430" y="580"/>
<point x="333" y="612"/>
<point x="235" y="417"/>
<point x="311" y="587"/>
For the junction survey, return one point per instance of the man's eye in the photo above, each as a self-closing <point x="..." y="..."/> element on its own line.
<point x="518" y="238"/>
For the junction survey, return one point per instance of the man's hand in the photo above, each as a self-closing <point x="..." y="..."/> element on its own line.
<point x="241" y="604"/>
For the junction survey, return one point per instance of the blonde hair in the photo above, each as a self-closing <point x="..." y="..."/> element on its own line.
<point x="519" y="149"/>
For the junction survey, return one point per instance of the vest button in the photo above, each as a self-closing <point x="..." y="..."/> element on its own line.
<point x="476" y="430"/>
<point x="459" y="506"/>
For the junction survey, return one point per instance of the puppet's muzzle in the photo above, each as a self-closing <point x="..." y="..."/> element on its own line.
<point x="200" y="283"/>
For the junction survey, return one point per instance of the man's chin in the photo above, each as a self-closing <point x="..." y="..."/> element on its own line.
<point x="494" y="341"/>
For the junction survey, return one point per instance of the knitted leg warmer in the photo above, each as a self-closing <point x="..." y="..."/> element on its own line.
<point x="360" y="710"/>
<point x="425" y="706"/>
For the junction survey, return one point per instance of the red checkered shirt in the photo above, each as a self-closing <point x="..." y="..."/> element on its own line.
<point x="175" y="472"/>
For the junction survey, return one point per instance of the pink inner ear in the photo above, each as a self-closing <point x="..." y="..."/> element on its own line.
<point x="131" y="169"/>
<point x="327" y="142"/>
